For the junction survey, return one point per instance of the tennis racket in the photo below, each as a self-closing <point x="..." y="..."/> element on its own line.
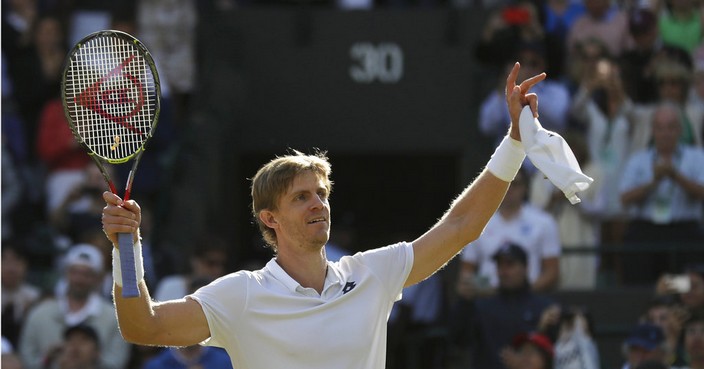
<point x="111" y="96"/>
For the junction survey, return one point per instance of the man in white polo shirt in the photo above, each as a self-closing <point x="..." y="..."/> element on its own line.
<point x="300" y="310"/>
<point x="516" y="222"/>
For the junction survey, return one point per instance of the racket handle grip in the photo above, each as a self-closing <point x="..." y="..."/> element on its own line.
<point x="129" y="276"/>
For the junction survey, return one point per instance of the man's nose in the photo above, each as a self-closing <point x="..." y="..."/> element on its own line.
<point x="317" y="202"/>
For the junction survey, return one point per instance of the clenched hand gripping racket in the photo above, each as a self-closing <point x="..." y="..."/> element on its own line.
<point x="111" y="96"/>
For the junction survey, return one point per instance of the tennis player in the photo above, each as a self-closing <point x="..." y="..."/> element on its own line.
<point x="301" y="311"/>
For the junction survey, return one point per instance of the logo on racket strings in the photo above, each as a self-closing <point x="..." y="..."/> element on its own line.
<point x="114" y="103"/>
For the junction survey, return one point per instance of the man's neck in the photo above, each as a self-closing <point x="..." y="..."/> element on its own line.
<point x="509" y="212"/>
<point x="308" y="268"/>
<point x="514" y="290"/>
<point x="667" y="153"/>
<point x="76" y="304"/>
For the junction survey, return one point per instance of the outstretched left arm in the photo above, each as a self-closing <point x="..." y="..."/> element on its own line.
<point x="470" y="212"/>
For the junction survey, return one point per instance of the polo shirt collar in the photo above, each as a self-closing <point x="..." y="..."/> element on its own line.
<point x="333" y="277"/>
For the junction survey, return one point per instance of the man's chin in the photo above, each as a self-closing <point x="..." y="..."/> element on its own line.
<point x="321" y="241"/>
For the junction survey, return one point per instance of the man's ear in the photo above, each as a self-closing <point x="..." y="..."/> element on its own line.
<point x="267" y="217"/>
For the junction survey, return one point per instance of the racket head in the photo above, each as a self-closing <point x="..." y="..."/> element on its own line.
<point x="111" y="95"/>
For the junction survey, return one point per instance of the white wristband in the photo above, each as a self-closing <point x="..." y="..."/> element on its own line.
<point x="507" y="159"/>
<point x="138" y="261"/>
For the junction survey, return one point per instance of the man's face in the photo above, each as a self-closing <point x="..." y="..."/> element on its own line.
<point x="666" y="129"/>
<point x="694" y="298"/>
<point x="597" y="8"/>
<point x="637" y="355"/>
<point x="531" y="357"/>
<point x="672" y="88"/>
<point x="303" y="215"/>
<point x="512" y="273"/>
<point x="14" y="269"/>
<point x="516" y="193"/>
<point x="82" y="281"/>
<point x="80" y="351"/>
<point x="210" y="265"/>
<point x="663" y="317"/>
<point x="694" y="340"/>
<point x="532" y="63"/>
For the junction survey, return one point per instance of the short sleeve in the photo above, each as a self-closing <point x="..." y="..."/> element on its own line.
<point x="390" y="264"/>
<point x="222" y="302"/>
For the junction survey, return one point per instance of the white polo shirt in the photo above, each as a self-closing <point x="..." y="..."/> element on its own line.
<point x="266" y="320"/>
<point x="533" y="229"/>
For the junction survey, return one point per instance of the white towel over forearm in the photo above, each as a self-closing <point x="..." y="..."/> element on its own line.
<point x="551" y="154"/>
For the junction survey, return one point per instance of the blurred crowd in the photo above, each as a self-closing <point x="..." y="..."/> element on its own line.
<point x="625" y="88"/>
<point x="57" y="307"/>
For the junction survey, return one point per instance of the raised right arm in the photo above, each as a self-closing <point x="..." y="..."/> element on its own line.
<point x="142" y="321"/>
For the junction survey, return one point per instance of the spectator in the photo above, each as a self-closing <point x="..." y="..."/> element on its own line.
<point x="653" y="364"/>
<point x="673" y="80"/>
<point x="691" y="294"/>
<point x="529" y="351"/>
<point x="680" y="24"/>
<point x="341" y="241"/>
<point x="669" y="315"/>
<point x="18" y="17"/>
<point x="521" y="226"/>
<point x="209" y="260"/>
<point x="411" y="322"/>
<point x="36" y="72"/>
<point x="605" y="110"/>
<point x="80" y="349"/>
<point x="41" y="335"/>
<point x="13" y="134"/>
<point x="693" y="299"/>
<point x="574" y="343"/>
<point x="579" y="226"/>
<point x="663" y="191"/>
<point x="80" y="210"/>
<point x="582" y="64"/>
<point x="18" y="296"/>
<point x="9" y="359"/>
<point x="494" y="118"/>
<point x="63" y="157"/>
<point x="604" y="21"/>
<point x="644" y="343"/>
<point x="191" y="356"/>
<point x="77" y="218"/>
<point x="696" y="95"/>
<point x="153" y="169"/>
<point x="491" y="322"/>
<point x="87" y="17"/>
<point x="638" y="63"/>
<point x="508" y="25"/>
<point x="558" y="18"/>
<point x="12" y="192"/>
<point x="694" y="339"/>
<point x="168" y="27"/>
<point x="21" y="203"/>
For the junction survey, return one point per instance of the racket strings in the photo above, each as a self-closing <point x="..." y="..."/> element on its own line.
<point x="111" y="96"/>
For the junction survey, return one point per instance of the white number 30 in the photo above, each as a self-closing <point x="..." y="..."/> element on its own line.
<point x="382" y="62"/>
